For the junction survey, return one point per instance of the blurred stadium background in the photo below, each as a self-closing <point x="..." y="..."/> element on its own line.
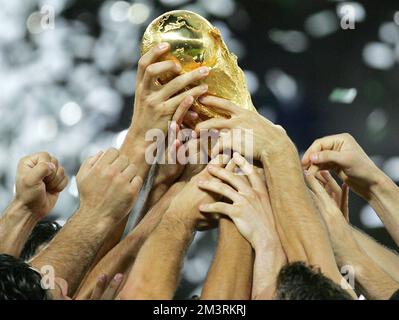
<point x="66" y="85"/>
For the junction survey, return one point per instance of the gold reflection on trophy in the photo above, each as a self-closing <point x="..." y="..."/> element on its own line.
<point x="194" y="43"/>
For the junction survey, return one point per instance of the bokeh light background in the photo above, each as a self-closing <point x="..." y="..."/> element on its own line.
<point x="67" y="85"/>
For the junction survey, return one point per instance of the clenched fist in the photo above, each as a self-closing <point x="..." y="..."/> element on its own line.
<point x="39" y="181"/>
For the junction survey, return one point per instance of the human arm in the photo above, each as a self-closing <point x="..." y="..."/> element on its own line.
<point x="230" y="275"/>
<point x="297" y="221"/>
<point x="251" y="212"/>
<point x="107" y="188"/>
<point x="122" y="256"/>
<point x="387" y="259"/>
<point x="375" y="283"/>
<point x="156" y="270"/>
<point x="343" y="154"/>
<point x="39" y="180"/>
<point x="155" y="103"/>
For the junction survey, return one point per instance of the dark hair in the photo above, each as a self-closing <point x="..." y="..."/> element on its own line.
<point x="18" y="281"/>
<point x="43" y="233"/>
<point x="297" y="281"/>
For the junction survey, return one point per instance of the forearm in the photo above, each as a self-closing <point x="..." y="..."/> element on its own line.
<point x="301" y="230"/>
<point x="374" y="282"/>
<point x="268" y="262"/>
<point x="156" y="193"/>
<point x="230" y="275"/>
<point x="16" y="224"/>
<point x="109" y="243"/>
<point x="385" y="201"/>
<point x="156" y="271"/>
<point x="387" y="259"/>
<point x="121" y="257"/>
<point x="74" y="248"/>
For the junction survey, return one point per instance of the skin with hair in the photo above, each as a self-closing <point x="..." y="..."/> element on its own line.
<point x="301" y="230"/>
<point x="343" y="154"/>
<point x="375" y="282"/>
<point x="39" y="181"/>
<point x="387" y="259"/>
<point x="107" y="186"/>
<point x="122" y="256"/>
<point x="251" y="212"/>
<point x="156" y="271"/>
<point x="230" y="275"/>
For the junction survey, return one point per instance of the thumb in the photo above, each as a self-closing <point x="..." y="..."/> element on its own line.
<point x="39" y="172"/>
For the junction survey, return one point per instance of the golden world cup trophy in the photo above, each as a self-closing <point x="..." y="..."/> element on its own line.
<point x="194" y="42"/>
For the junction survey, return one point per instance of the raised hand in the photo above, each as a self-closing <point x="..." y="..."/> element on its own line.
<point x="250" y="209"/>
<point x="108" y="185"/>
<point x="184" y="207"/>
<point x="247" y="132"/>
<point x="251" y="212"/>
<point x="156" y="103"/>
<point x="39" y="181"/>
<point x="343" y="154"/>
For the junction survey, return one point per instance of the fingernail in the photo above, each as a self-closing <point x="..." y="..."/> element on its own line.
<point x="306" y="172"/>
<point x="201" y="182"/>
<point x="189" y="99"/>
<point x="118" y="277"/>
<point x="102" y="278"/>
<point x="163" y="45"/>
<point x="202" y="99"/>
<point x="211" y="168"/>
<point x="314" y="157"/>
<point x="193" y="114"/>
<point x="204" y="70"/>
<point x="178" y="67"/>
<point x="51" y="166"/>
<point x="202" y="207"/>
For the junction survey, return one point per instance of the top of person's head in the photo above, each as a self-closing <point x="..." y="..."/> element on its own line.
<point x="40" y="236"/>
<point x="18" y="281"/>
<point x="297" y="281"/>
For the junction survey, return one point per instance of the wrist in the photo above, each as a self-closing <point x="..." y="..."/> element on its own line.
<point x="95" y="218"/>
<point x="344" y="244"/>
<point x="105" y="217"/>
<point x="284" y="153"/>
<point x="19" y="211"/>
<point x="271" y="257"/>
<point x="271" y="250"/>
<point x="178" y="227"/>
<point x="229" y="236"/>
<point x="382" y="185"/>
